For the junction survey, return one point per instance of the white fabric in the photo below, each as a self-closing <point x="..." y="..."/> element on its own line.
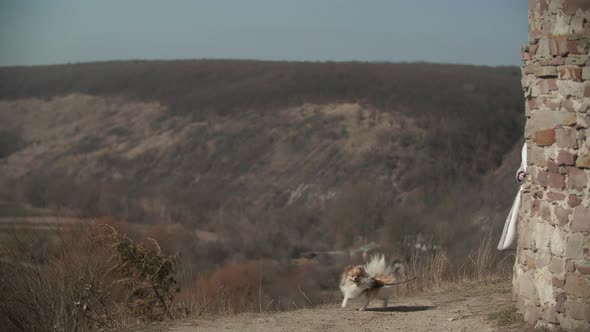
<point x="508" y="239"/>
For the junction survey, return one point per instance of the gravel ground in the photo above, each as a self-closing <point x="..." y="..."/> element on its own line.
<point x="461" y="307"/>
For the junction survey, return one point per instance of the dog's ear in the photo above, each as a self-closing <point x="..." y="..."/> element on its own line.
<point x="348" y="268"/>
<point x="363" y="271"/>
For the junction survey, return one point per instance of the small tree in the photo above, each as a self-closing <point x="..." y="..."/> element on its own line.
<point x="147" y="273"/>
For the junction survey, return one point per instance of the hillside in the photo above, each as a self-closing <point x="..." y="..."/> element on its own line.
<point x="325" y="152"/>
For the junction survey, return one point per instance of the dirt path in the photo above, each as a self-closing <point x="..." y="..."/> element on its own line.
<point x="462" y="308"/>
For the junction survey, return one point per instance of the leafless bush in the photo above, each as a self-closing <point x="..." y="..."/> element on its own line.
<point x="51" y="282"/>
<point x="259" y="286"/>
<point x="148" y="275"/>
<point x="80" y="278"/>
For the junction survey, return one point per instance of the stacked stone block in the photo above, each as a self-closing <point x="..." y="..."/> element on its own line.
<point x="552" y="271"/>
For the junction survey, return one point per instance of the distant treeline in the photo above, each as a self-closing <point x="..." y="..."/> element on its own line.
<point x="203" y="86"/>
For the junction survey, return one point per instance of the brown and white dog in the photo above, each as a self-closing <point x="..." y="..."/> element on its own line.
<point x="371" y="279"/>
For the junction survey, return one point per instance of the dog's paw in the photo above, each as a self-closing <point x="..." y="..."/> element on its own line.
<point x="362" y="309"/>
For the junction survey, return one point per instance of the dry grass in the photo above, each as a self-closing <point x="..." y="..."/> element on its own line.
<point x="47" y="283"/>
<point x="435" y="272"/>
<point x="69" y="279"/>
<point x="82" y="277"/>
<point x="255" y="286"/>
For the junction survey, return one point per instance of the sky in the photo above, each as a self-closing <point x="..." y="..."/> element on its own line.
<point x="481" y="32"/>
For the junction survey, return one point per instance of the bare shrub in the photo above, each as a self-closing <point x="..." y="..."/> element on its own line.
<point x="259" y="286"/>
<point x="80" y="278"/>
<point x="147" y="274"/>
<point x="50" y="281"/>
<point x="233" y="288"/>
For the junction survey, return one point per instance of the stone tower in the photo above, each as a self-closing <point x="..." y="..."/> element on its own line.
<point x="552" y="271"/>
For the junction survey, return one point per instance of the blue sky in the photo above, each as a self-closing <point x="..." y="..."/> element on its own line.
<point x="448" y="31"/>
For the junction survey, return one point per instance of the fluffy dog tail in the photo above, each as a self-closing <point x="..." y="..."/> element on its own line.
<point x="378" y="267"/>
<point x="382" y="273"/>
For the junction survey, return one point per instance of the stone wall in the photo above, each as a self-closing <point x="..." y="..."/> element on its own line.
<point x="552" y="271"/>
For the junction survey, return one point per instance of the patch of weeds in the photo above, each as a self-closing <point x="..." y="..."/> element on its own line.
<point x="506" y="316"/>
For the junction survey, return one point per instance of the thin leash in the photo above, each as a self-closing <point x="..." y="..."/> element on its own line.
<point x="400" y="282"/>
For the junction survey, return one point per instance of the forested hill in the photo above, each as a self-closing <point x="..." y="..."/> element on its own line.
<point x="204" y="135"/>
<point x="222" y="86"/>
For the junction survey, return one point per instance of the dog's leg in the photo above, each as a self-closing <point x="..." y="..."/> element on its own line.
<point x="344" y="302"/>
<point x="367" y="300"/>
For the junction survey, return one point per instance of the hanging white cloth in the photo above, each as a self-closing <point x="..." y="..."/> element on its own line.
<point x="509" y="236"/>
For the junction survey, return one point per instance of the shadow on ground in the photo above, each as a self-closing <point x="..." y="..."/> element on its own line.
<point x="402" y="308"/>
